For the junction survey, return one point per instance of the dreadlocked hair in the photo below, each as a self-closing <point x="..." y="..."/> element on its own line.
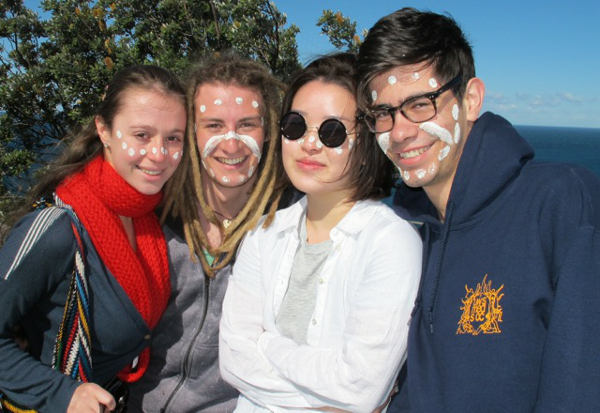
<point x="184" y="195"/>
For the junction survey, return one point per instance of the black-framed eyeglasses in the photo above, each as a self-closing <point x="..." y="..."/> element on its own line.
<point x="332" y="132"/>
<point x="416" y="109"/>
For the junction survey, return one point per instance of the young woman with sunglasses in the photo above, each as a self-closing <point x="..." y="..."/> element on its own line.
<point x="316" y="311"/>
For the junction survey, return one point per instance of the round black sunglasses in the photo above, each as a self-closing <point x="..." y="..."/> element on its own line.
<point x="332" y="132"/>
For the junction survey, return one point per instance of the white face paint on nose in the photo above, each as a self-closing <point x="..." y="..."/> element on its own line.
<point x="247" y="140"/>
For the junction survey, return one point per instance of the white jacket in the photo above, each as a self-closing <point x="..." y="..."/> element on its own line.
<point x="358" y="333"/>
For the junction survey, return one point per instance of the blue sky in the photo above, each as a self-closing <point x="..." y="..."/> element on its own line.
<point x="539" y="60"/>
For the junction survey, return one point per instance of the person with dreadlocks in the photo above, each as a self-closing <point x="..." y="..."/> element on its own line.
<point x="228" y="179"/>
<point x="88" y="278"/>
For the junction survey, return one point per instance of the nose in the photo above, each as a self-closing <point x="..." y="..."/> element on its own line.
<point x="231" y="145"/>
<point x="403" y="128"/>
<point x="157" y="150"/>
<point x="311" y="142"/>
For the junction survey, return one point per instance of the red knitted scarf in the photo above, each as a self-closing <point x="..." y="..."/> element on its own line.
<point x="99" y="195"/>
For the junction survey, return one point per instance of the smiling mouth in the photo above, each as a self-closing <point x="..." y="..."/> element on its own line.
<point x="413" y="153"/>
<point x="149" y="172"/>
<point x="232" y="161"/>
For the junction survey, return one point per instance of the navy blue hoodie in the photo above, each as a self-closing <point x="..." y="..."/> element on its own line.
<point x="508" y="314"/>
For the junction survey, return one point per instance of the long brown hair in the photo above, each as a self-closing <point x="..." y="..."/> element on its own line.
<point x="184" y="194"/>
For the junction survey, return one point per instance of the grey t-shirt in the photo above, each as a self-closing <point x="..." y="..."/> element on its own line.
<point x="298" y="303"/>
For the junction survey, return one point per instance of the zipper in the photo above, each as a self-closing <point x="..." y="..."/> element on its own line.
<point x="186" y="360"/>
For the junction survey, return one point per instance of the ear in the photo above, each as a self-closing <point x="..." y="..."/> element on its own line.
<point x="473" y="98"/>
<point x="102" y="129"/>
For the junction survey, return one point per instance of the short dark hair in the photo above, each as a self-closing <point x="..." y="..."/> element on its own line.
<point x="370" y="171"/>
<point x="409" y="36"/>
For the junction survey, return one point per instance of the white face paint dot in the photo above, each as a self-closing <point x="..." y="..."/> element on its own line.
<point x="416" y="76"/>
<point x="119" y="134"/>
<point x="176" y="155"/>
<point x="286" y="141"/>
<point x="242" y="179"/>
<point x="383" y="139"/>
<point x="225" y="179"/>
<point x="350" y="143"/>
<point x="250" y="171"/>
<point x="444" y="152"/>
<point x="163" y="150"/>
<point x="212" y="173"/>
<point x="420" y="173"/>
<point x="319" y="144"/>
<point x="202" y="108"/>
<point x="433" y="83"/>
<point x="239" y="100"/>
<point x="338" y="150"/>
<point x="455" y="111"/>
<point x="300" y="141"/>
<point x="374" y="95"/>
<point x="392" y="80"/>
<point x="218" y="102"/>
<point x="406" y="175"/>
<point x="456" y="132"/>
<point x="131" y="152"/>
<point x="124" y="145"/>
<point x="154" y="151"/>
<point x="311" y="139"/>
<point x="254" y="104"/>
<point x="142" y="152"/>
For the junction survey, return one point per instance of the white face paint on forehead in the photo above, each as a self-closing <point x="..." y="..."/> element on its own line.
<point x="214" y="141"/>
<point x="433" y="83"/>
<point x="202" y="109"/>
<point x="392" y="79"/>
<point x="239" y="100"/>
<point x="254" y="104"/>
<point x="436" y="130"/>
<point x="218" y="102"/>
<point x="416" y="76"/>
<point x="119" y="134"/>
<point x="374" y="95"/>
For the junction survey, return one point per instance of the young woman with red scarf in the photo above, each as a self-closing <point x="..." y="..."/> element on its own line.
<point x="88" y="278"/>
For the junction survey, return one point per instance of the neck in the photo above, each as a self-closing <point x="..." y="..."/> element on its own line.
<point x="323" y="212"/>
<point x="226" y="202"/>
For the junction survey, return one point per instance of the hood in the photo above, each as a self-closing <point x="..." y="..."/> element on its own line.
<point x="493" y="156"/>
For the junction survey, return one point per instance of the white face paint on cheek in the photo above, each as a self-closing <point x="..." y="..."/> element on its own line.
<point x="300" y="141"/>
<point x="374" y="95"/>
<point x="383" y="139"/>
<point x="119" y="134"/>
<point x="212" y="173"/>
<point x="436" y="130"/>
<point x="250" y="171"/>
<point x="444" y="152"/>
<point x="202" y="108"/>
<point x="350" y="143"/>
<point x="456" y="132"/>
<point x="433" y="83"/>
<point x="124" y="145"/>
<point x="286" y="141"/>
<point x="339" y="150"/>
<point x="176" y="155"/>
<point x="392" y="80"/>
<point x="254" y="104"/>
<point x="163" y="150"/>
<point x="455" y="112"/>
<point x="131" y="152"/>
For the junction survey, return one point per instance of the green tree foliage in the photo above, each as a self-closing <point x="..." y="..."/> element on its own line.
<point x="340" y="30"/>
<point x="54" y="66"/>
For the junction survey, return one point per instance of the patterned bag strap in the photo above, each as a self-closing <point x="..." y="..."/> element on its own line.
<point x="73" y="348"/>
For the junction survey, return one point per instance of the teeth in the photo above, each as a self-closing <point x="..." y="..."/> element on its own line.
<point x="153" y="173"/>
<point x="233" y="161"/>
<point x="413" y="153"/>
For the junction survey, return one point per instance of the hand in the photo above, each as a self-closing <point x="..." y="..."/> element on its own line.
<point x="91" y="398"/>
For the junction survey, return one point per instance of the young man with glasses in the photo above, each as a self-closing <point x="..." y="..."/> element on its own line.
<point x="506" y="316"/>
